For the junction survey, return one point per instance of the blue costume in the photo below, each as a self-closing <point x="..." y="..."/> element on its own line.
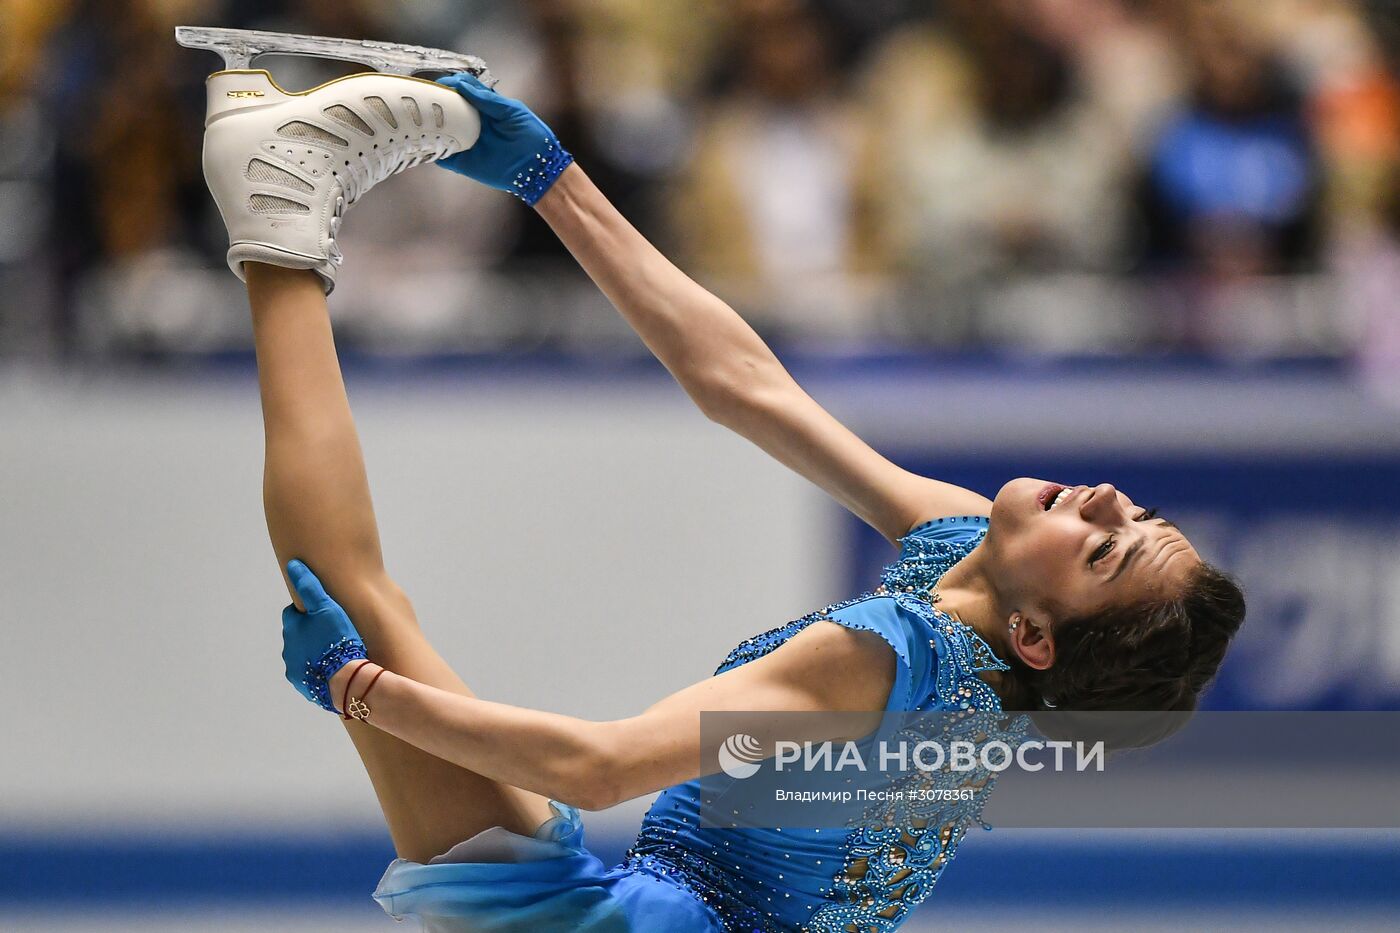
<point x="681" y="878"/>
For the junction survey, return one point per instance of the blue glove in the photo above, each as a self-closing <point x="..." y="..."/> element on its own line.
<point x="516" y="152"/>
<point x="318" y="642"/>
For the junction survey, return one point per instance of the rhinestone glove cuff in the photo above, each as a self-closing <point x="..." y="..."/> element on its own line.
<point x="320" y="671"/>
<point x="531" y="184"/>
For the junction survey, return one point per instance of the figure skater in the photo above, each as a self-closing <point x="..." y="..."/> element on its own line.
<point x="1048" y="595"/>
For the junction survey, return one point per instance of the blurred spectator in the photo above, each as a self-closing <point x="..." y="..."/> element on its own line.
<point x="1354" y="100"/>
<point x="1123" y="59"/>
<point x="126" y="175"/>
<point x="1368" y="265"/>
<point x="559" y="28"/>
<point x="24" y="27"/>
<point x="1231" y="187"/>
<point x="772" y="203"/>
<point x="124" y="151"/>
<point x="993" y="155"/>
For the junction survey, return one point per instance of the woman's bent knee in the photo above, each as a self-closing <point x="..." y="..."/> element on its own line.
<point x="395" y="639"/>
<point x="378" y="607"/>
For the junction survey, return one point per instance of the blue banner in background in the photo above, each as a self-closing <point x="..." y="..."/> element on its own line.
<point x="1314" y="542"/>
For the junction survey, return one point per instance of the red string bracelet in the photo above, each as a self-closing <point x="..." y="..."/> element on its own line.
<point x="345" y="696"/>
<point x="358" y="708"/>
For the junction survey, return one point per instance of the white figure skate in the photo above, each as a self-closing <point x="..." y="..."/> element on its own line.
<point x="284" y="166"/>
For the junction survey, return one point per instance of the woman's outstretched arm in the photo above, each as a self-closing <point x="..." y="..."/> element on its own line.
<point x="716" y="357"/>
<point x="825" y="668"/>
<point x="730" y="373"/>
<point x="595" y="765"/>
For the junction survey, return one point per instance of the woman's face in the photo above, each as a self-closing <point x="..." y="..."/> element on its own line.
<point x="1076" y="550"/>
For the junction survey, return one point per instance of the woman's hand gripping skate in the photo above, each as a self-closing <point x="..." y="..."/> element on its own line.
<point x="318" y="642"/>
<point x="516" y="151"/>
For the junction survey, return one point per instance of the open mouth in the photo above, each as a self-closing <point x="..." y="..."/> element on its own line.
<point x="1053" y="495"/>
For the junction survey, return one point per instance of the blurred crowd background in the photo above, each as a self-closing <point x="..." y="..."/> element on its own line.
<point x="1065" y="177"/>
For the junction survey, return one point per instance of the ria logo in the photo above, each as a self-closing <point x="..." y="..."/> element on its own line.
<point x="740" y="755"/>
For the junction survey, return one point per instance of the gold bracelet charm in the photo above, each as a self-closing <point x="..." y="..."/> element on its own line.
<point x="357" y="708"/>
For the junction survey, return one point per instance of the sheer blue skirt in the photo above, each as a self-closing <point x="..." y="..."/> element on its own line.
<point x="500" y="881"/>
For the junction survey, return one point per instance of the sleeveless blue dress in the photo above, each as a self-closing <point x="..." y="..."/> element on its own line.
<point x="682" y="878"/>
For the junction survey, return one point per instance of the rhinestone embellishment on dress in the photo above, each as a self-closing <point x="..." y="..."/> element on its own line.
<point x="865" y="878"/>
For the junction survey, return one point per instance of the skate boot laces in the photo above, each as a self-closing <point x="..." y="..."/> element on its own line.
<point x="364" y="170"/>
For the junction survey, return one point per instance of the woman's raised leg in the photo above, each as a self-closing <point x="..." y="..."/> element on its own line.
<point x="317" y="500"/>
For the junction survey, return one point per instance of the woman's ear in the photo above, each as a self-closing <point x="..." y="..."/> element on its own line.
<point x="1029" y="637"/>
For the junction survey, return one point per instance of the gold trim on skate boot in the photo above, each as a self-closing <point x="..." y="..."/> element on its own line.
<point x="281" y="90"/>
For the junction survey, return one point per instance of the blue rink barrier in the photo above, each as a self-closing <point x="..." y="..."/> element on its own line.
<point x="1073" y="870"/>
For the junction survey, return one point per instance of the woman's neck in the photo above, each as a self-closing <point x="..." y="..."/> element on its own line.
<point x="968" y="594"/>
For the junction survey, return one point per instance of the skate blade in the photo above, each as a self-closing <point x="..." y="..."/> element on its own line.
<point x="240" y="46"/>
